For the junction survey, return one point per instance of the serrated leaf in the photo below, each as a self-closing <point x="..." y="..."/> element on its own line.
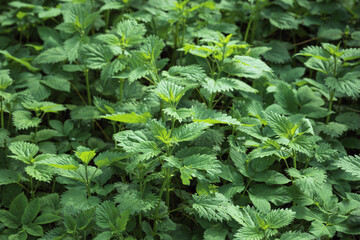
<point x="283" y="20"/>
<point x="278" y="53"/>
<point x="350" y="164"/>
<point x="8" y="176"/>
<point x="188" y="132"/>
<point x="128" y="117"/>
<point x="211" y="116"/>
<point x="57" y="83"/>
<point x="51" y="55"/>
<point x="279" y="218"/>
<point x="24" y="151"/>
<point x="212" y="208"/>
<point x="245" y="66"/>
<point x="24" y="120"/>
<point x="40" y="172"/>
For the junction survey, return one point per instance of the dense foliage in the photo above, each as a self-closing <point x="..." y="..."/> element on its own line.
<point x="165" y="119"/>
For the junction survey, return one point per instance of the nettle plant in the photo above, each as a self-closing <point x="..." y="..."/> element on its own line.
<point x="167" y="119"/>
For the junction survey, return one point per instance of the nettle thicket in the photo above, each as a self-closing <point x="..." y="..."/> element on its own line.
<point x="165" y="119"/>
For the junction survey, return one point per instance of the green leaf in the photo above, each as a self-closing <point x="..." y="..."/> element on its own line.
<point x="309" y="178"/>
<point x="46" y="218"/>
<point x="34" y="229"/>
<point x="281" y="125"/>
<point x="24" y="120"/>
<point x="40" y="172"/>
<point x="62" y="162"/>
<point x="97" y="56"/>
<point x="57" y="83"/>
<point x="188" y="132"/>
<point x="314" y="51"/>
<point x="278" y="53"/>
<point x="330" y="33"/>
<point x="22" y="61"/>
<point x="350" y="164"/>
<point x="136" y="142"/>
<point x="283" y="20"/>
<point x="133" y="202"/>
<point x="333" y="129"/>
<point x="85" y="154"/>
<point x="170" y="92"/>
<point x="31" y="211"/>
<point x="128" y="117"/>
<point x="18" y="206"/>
<point x="8" y="219"/>
<point x="210" y="116"/>
<point x="270" y="177"/>
<point x="106" y="215"/>
<point x="75" y="200"/>
<point x="24" y="151"/>
<point x="279" y="218"/>
<point x="318" y="65"/>
<point x="245" y="66"/>
<point x="46" y="107"/>
<point x="5" y="79"/>
<point x="318" y="229"/>
<point x="296" y="235"/>
<point x="51" y="55"/>
<point x="22" y="235"/>
<point x="226" y="84"/>
<point x="285" y="96"/>
<point x="130" y="32"/>
<point x="8" y="176"/>
<point x="347" y="85"/>
<point x="179" y="114"/>
<point x="264" y="193"/>
<point x="249" y="233"/>
<point x="350" y="119"/>
<point x="216" y="233"/>
<point x="212" y="208"/>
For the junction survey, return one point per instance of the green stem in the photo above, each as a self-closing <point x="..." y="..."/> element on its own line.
<point x="114" y="129"/>
<point x="22" y="186"/>
<point x="86" y="73"/>
<point x="87" y="181"/>
<point x="121" y="90"/>
<point x="247" y="185"/>
<point x="142" y="188"/>
<point x="248" y="29"/>
<point x="9" y="120"/>
<point x="162" y="189"/>
<point x="2" y="114"/>
<point x="32" y="188"/>
<point x="107" y="19"/>
<point x="332" y="93"/>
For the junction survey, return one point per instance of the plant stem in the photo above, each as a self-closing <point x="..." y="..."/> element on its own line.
<point x="332" y="93"/>
<point x="86" y="73"/>
<point x="248" y="29"/>
<point x="32" y="188"/>
<point x="87" y="181"/>
<point x="247" y="185"/>
<point x="107" y="19"/>
<point x="121" y="90"/>
<point x="2" y="114"/>
<point x="163" y="186"/>
<point x="294" y="159"/>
